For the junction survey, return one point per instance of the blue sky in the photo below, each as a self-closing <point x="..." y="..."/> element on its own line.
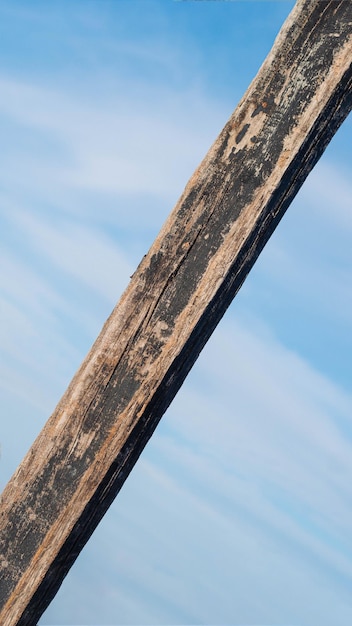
<point x="240" y="509"/>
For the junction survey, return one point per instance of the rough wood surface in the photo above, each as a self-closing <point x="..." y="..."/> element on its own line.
<point x="176" y="297"/>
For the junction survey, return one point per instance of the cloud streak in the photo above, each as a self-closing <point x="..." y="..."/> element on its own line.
<point x="116" y="146"/>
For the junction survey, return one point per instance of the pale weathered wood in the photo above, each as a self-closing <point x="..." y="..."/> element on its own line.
<point x="176" y="297"/>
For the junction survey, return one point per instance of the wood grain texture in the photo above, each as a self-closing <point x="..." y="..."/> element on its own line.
<point x="175" y="299"/>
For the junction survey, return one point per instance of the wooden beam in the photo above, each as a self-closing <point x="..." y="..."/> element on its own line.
<point x="175" y="299"/>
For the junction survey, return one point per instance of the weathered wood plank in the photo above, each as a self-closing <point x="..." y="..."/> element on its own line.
<point x="176" y="297"/>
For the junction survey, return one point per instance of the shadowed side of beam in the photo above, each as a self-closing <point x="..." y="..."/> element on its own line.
<point x="175" y="299"/>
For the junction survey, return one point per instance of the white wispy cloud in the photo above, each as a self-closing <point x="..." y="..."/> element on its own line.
<point x="79" y="251"/>
<point x="120" y="145"/>
<point x="329" y="191"/>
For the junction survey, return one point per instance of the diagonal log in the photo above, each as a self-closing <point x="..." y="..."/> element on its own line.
<point x="175" y="299"/>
